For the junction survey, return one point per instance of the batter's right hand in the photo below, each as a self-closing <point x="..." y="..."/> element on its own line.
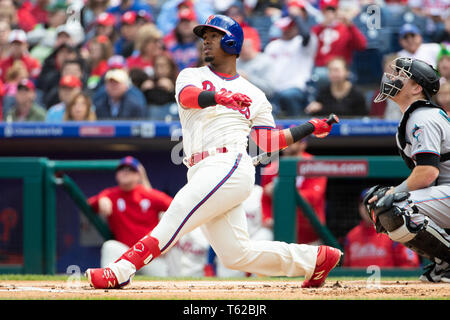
<point x="233" y="100"/>
<point x="321" y="127"/>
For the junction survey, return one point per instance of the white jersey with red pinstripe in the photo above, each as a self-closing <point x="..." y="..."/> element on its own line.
<point x="220" y="126"/>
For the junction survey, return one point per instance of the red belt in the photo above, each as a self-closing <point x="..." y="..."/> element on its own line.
<point x="199" y="156"/>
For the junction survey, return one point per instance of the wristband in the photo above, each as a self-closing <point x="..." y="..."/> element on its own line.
<point x="301" y="131"/>
<point x="207" y="99"/>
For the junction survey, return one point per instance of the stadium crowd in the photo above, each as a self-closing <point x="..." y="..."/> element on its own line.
<point x="87" y="60"/>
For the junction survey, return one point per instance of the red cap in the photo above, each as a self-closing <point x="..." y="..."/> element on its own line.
<point x="284" y="23"/>
<point x="106" y="19"/>
<point x="323" y="4"/>
<point x="187" y="3"/>
<point x="187" y="14"/>
<point x="70" y="81"/>
<point x="128" y="17"/>
<point x="25" y="83"/>
<point x="296" y="3"/>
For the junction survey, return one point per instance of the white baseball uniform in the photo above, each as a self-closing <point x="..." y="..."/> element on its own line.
<point x="256" y="230"/>
<point x="218" y="185"/>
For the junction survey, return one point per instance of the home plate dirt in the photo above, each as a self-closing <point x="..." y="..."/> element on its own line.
<point x="226" y="290"/>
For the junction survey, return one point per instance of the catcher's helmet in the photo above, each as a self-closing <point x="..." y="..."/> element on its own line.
<point x="406" y="68"/>
<point x="234" y="36"/>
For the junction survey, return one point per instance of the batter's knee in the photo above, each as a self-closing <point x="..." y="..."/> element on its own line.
<point x="235" y="259"/>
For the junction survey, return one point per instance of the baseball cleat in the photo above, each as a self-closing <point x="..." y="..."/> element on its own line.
<point x="435" y="272"/>
<point x="329" y="258"/>
<point x="103" y="278"/>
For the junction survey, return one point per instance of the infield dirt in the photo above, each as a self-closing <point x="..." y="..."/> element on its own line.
<point x="226" y="290"/>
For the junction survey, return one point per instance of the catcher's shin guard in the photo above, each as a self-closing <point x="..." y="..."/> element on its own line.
<point x="410" y="227"/>
<point x="144" y="251"/>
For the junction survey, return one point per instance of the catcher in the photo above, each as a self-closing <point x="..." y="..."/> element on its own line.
<point x="417" y="212"/>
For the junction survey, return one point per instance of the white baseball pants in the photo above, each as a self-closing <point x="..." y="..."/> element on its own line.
<point x="212" y="199"/>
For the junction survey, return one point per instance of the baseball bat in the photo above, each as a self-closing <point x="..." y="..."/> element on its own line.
<point x="264" y="157"/>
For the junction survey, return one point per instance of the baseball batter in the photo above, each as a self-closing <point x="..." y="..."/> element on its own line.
<point x="218" y="110"/>
<point x="417" y="212"/>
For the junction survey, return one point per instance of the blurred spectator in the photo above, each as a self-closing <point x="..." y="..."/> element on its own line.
<point x="411" y="41"/>
<point x="256" y="67"/>
<point x="45" y="39"/>
<point x="292" y="63"/>
<point x="69" y="86"/>
<point x="25" y="107"/>
<point x="8" y="13"/>
<point x="168" y="15"/>
<point x="105" y="25"/>
<point x="80" y="109"/>
<point x="338" y="37"/>
<point x="51" y="69"/>
<point x="124" y="45"/>
<point x="74" y="68"/>
<point x="132" y="209"/>
<point x="117" y="62"/>
<point x="364" y="247"/>
<point x="18" y="50"/>
<point x="160" y="90"/>
<point x="387" y="109"/>
<point x="312" y="189"/>
<point x="130" y="5"/>
<point x="181" y="42"/>
<point x="5" y="29"/>
<point x="443" y="63"/>
<point x="90" y="12"/>
<point x="39" y="11"/>
<point x="2" y="94"/>
<point x="340" y="96"/>
<point x="443" y="35"/>
<point x="16" y="73"/>
<point x="25" y="18"/>
<point x="99" y="51"/>
<point x="56" y="14"/>
<point x="149" y="45"/>
<point x="443" y="96"/>
<point x="236" y="11"/>
<point x="120" y="101"/>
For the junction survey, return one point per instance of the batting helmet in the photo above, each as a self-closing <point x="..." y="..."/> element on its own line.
<point x="234" y="36"/>
<point x="406" y="68"/>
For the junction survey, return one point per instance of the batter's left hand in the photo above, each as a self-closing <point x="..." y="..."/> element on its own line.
<point x="321" y="127"/>
<point x="233" y="100"/>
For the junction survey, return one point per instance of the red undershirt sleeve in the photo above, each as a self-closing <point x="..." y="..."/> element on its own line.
<point x="188" y="97"/>
<point x="269" y="139"/>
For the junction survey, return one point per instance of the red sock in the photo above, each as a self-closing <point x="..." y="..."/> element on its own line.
<point x="144" y="251"/>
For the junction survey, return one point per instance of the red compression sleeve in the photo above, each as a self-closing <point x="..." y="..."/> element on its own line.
<point x="188" y="97"/>
<point x="269" y="140"/>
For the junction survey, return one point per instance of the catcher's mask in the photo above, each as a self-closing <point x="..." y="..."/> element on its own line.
<point x="407" y="68"/>
<point x="392" y="83"/>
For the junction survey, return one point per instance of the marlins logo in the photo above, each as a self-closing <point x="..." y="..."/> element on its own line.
<point x="417" y="132"/>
